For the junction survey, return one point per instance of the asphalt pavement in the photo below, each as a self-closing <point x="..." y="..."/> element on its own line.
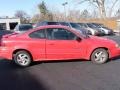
<point x="72" y="75"/>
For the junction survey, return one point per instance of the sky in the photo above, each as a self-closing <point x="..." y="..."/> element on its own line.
<point x="9" y="7"/>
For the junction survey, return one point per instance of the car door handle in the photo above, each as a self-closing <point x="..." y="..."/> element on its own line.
<point x="51" y="44"/>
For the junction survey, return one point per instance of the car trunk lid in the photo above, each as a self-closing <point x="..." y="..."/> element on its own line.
<point x="9" y="35"/>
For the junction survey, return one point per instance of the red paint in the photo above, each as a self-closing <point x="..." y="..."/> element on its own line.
<point x="44" y="49"/>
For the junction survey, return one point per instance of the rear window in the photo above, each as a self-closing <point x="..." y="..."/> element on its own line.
<point x="25" y="27"/>
<point x="64" y="23"/>
<point x="53" y="23"/>
<point x="76" y="26"/>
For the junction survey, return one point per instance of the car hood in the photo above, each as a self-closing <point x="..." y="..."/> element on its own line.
<point x="105" y="29"/>
<point x="99" y="41"/>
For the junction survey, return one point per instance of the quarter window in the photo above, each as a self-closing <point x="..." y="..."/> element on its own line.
<point x="40" y="34"/>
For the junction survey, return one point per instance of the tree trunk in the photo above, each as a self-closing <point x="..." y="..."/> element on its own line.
<point x="101" y="7"/>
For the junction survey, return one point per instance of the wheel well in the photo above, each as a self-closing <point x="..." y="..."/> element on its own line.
<point x="14" y="52"/>
<point x="99" y="48"/>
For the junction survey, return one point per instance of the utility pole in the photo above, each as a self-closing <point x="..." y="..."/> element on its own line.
<point x="64" y="5"/>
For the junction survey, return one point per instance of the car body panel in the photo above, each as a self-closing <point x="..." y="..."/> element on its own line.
<point x="92" y="30"/>
<point x="64" y="49"/>
<point x="106" y="30"/>
<point x="44" y="49"/>
<point x="69" y="24"/>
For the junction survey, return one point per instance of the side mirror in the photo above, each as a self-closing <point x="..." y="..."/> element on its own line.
<point x="78" y="39"/>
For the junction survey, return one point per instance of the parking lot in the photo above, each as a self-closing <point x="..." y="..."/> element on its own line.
<point x="42" y="36"/>
<point x="73" y="75"/>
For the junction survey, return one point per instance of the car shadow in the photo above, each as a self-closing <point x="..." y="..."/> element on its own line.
<point x="115" y="58"/>
<point x="74" y="60"/>
<point x="59" y="61"/>
<point x="13" y="77"/>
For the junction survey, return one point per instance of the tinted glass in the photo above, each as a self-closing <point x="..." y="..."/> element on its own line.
<point x="82" y="25"/>
<point x="97" y="25"/>
<point x="38" y="34"/>
<point x="74" y="25"/>
<point x="40" y="24"/>
<point x="25" y="27"/>
<point x="60" y="34"/>
<point x="91" y="26"/>
<point x="53" y="23"/>
<point x="64" y="23"/>
<point x="77" y="27"/>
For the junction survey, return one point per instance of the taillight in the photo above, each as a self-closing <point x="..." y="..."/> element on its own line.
<point x="2" y="43"/>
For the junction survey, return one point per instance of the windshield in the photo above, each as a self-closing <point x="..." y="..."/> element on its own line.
<point x="97" y="25"/>
<point x="25" y="27"/>
<point x="79" y="29"/>
<point x="64" y="23"/>
<point x="91" y="26"/>
<point x="105" y="27"/>
<point x="85" y="35"/>
<point x="82" y="25"/>
<point x="74" y="25"/>
<point x="52" y="23"/>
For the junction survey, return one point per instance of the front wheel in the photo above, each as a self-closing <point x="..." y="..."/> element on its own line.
<point x="22" y="58"/>
<point x="99" y="56"/>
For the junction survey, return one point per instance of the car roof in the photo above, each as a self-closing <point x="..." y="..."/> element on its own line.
<point x="23" y="24"/>
<point x="52" y="26"/>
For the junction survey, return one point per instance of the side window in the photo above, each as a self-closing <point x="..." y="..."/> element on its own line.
<point x="40" y="34"/>
<point x="71" y="36"/>
<point x="60" y="34"/>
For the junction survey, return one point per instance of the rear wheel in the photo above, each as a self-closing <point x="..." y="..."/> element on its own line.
<point x="22" y="58"/>
<point x="99" y="56"/>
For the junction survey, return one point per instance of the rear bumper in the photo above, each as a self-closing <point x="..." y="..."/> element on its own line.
<point x="5" y="53"/>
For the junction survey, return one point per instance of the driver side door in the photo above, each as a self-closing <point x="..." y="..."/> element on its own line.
<point x="62" y="44"/>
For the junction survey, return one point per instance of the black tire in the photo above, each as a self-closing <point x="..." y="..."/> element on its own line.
<point x="25" y="59"/>
<point x="99" y="56"/>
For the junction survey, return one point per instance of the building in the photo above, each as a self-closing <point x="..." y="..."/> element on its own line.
<point x="8" y="23"/>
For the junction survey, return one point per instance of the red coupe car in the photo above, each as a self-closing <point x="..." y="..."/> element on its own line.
<point x="55" y="42"/>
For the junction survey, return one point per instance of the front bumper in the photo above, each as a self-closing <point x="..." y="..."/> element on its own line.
<point x="114" y="52"/>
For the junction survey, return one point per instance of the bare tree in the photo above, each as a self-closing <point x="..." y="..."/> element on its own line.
<point x="74" y="15"/>
<point x="85" y="14"/>
<point x="112" y="7"/>
<point x="24" y="17"/>
<point x="36" y="18"/>
<point x="117" y="14"/>
<point x="101" y="6"/>
<point x="94" y="14"/>
<point x="44" y="12"/>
